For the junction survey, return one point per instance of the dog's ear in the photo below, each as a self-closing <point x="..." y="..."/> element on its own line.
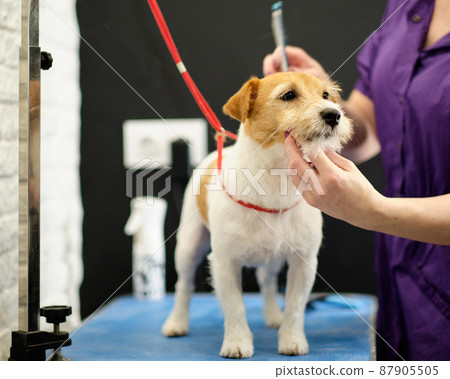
<point x="240" y="105"/>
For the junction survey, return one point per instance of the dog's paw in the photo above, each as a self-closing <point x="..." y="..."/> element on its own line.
<point x="273" y="317"/>
<point x="290" y="345"/>
<point x="175" y="326"/>
<point x="237" y="347"/>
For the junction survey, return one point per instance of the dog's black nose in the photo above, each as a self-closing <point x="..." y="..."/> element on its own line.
<point x="331" y="116"/>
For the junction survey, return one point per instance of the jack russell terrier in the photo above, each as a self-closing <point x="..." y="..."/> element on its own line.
<point x="280" y="227"/>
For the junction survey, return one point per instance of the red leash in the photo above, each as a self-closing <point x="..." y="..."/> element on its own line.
<point x="202" y="103"/>
<point x="204" y="106"/>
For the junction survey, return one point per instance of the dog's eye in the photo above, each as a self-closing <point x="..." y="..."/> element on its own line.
<point x="288" y="96"/>
<point x="325" y="95"/>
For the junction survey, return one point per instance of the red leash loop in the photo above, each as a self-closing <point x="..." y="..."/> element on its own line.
<point x="203" y="105"/>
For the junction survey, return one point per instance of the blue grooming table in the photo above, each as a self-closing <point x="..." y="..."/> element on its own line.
<point x="128" y="329"/>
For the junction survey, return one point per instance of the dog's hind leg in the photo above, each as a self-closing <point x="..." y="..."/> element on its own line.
<point x="267" y="279"/>
<point x="189" y="252"/>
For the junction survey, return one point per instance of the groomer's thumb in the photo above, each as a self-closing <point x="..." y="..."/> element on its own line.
<point x="340" y="161"/>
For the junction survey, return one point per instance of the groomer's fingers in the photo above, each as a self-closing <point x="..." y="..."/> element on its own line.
<point x="272" y="62"/>
<point x="340" y="161"/>
<point x="269" y="65"/>
<point x="296" y="161"/>
<point x="300" y="61"/>
<point x="322" y="163"/>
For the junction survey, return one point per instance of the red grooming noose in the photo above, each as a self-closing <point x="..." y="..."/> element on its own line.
<point x="203" y="105"/>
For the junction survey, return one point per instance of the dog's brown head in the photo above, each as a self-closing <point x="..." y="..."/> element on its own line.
<point x="299" y="103"/>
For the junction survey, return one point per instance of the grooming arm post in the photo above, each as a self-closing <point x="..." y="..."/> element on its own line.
<point x="29" y="343"/>
<point x="29" y="167"/>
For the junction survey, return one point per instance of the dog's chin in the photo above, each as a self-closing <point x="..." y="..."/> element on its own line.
<point x="313" y="147"/>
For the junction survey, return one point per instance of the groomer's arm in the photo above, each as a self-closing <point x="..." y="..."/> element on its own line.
<point x="423" y="219"/>
<point x="364" y="144"/>
<point x="349" y="196"/>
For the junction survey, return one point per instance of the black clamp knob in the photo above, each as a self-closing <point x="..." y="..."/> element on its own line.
<point x="46" y="60"/>
<point x="56" y="314"/>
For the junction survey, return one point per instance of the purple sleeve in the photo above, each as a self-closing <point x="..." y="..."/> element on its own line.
<point x="364" y="63"/>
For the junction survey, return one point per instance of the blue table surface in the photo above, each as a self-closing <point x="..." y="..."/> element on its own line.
<point x="128" y="329"/>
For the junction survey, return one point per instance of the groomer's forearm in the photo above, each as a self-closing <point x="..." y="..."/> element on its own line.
<point x="360" y="127"/>
<point x="420" y="219"/>
<point x="364" y="144"/>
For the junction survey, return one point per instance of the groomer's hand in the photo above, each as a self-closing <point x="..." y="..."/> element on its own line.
<point x="299" y="61"/>
<point x="347" y="194"/>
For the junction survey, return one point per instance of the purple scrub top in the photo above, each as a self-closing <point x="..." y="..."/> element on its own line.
<point x="410" y="89"/>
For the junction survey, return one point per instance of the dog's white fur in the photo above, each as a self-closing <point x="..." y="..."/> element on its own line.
<point x="243" y="237"/>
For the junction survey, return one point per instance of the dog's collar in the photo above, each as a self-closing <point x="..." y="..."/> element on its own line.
<point x="257" y="207"/>
<point x="220" y="138"/>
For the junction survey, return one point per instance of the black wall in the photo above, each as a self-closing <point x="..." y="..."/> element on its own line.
<point x="222" y="43"/>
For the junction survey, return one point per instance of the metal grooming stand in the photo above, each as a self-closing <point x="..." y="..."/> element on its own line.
<point x="29" y="343"/>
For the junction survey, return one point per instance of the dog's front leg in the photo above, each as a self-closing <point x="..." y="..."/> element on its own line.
<point x="227" y="274"/>
<point x="300" y="279"/>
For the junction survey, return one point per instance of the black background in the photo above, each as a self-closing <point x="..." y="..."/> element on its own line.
<point x="222" y="43"/>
